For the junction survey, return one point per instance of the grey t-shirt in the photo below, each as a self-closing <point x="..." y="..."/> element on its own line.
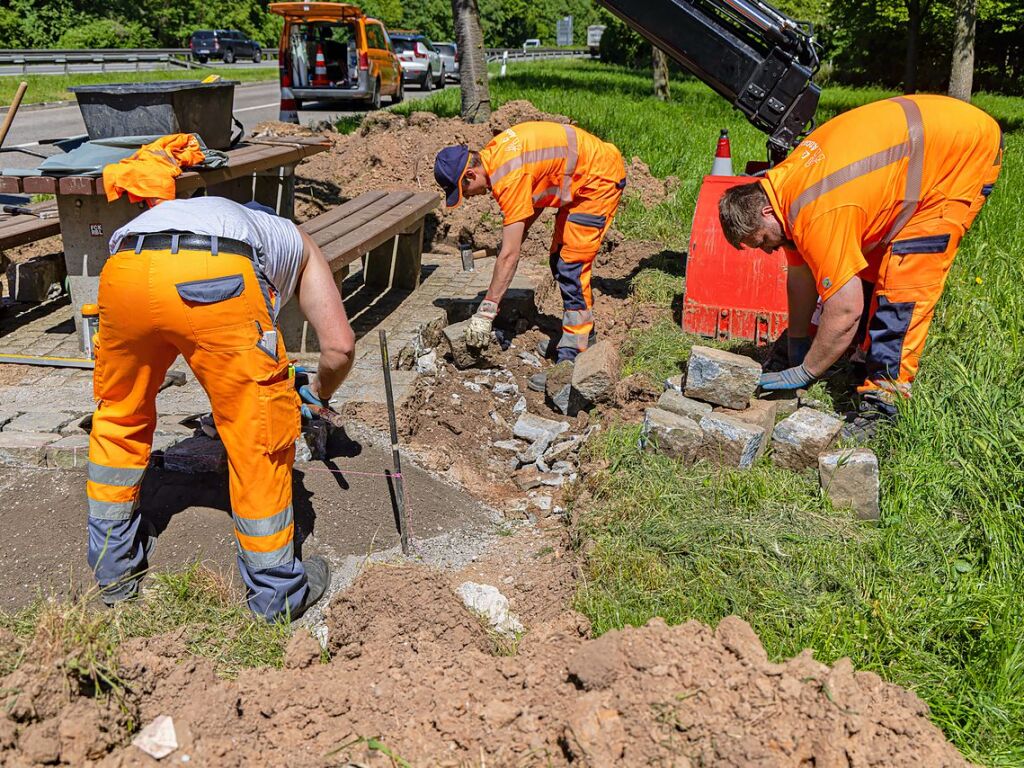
<point x="275" y="241"/>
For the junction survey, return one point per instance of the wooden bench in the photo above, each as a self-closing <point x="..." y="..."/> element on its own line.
<point x="21" y="228"/>
<point x="384" y="227"/>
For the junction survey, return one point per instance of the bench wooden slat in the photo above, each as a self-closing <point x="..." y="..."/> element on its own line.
<point x="368" y="214"/>
<point x="39" y="185"/>
<point x="19" y="229"/>
<point x="381" y="229"/>
<point x="264" y="158"/>
<point x="10" y="184"/>
<point x="339" y="212"/>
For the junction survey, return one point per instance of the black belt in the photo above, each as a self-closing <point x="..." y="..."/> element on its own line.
<point x="174" y="242"/>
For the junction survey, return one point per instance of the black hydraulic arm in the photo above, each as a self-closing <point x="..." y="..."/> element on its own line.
<point x="750" y="53"/>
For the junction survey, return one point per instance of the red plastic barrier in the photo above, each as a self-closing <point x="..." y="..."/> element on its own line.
<point x="731" y="293"/>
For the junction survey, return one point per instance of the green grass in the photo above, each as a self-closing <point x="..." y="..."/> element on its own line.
<point x="46" y="88"/>
<point x="213" y="623"/>
<point x="931" y="596"/>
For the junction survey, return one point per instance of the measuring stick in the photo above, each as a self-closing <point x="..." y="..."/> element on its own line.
<point x="403" y="529"/>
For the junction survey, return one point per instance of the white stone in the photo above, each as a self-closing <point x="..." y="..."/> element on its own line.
<point x="157" y="739"/>
<point x="488" y="603"/>
<point x="531" y="427"/>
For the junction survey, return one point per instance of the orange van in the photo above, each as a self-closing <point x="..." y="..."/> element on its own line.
<point x="359" y="61"/>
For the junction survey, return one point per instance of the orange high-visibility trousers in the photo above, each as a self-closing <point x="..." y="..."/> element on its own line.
<point x="210" y="309"/>
<point x="580" y="228"/>
<point x="911" y="278"/>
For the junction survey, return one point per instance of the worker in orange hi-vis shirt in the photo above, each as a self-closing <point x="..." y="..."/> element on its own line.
<point x="529" y="167"/>
<point x="873" y="205"/>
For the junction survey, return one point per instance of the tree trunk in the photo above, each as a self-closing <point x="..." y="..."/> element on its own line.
<point x="961" y="73"/>
<point x="914" y="12"/>
<point x="659" y="62"/>
<point x="476" y="97"/>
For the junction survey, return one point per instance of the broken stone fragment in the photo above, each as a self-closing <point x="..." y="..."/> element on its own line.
<point x="527" y="478"/>
<point x="671" y="434"/>
<point x="558" y="386"/>
<point x="760" y="413"/>
<point x="509" y="445"/>
<point x="563" y="449"/>
<point x="721" y="377"/>
<point x="730" y="442"/>
<point x="800" y="438"/>
<point x="536" y="449"/>
<point x="463" y="356"/>
<point x="196" y="454"/>
<point x="680" y="404"/>
<point x="675" y="383"/>
<point x="596" y="372"/>
<point x="311" y="444"/>
<point x="492" y="606"/>
<point x="850" y="479"/>
<point x="427" y="364"/>
<point x="532" y="427"/>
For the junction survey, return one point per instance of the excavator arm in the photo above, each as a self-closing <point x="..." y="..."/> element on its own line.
<point x="750" y="53"/>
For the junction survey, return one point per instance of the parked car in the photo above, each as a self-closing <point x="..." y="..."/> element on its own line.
<point x="360" y="62"/>
<point x="450" y="59"/>
<point x="531" y="42"/>
<point x="226" y="44"/>
<point x="421" y="62"/>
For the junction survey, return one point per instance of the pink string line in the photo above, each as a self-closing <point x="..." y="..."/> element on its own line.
<point x="351" y="472"/>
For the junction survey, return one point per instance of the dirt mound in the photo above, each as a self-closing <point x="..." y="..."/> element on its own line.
<point x="392" y="152"/>
<point x="413" y="667"/>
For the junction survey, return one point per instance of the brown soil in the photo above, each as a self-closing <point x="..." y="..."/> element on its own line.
<point x="412" y="666"/>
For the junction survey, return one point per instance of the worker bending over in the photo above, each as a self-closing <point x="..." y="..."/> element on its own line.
<point x="873" y="205"/>
<point x="529" y="167"/>
<point x="206" y="278"/>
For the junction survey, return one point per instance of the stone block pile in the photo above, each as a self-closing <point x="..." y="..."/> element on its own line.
<point x="711" y="414"/>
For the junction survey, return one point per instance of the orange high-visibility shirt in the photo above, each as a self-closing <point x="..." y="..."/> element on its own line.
<point x="150" y="173"/>
<point x="848" y="189"/>
<point x="544" y="165"/>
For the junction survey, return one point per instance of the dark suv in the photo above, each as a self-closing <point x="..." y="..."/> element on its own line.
<point x="226" y="44"/>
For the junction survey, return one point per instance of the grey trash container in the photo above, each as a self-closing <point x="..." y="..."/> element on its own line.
<point x="171" y="106"/>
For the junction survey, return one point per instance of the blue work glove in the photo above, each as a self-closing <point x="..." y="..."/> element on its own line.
<point x="798" y="347"/>
<point x="791" y="378"/>
<point x="303" y="380"/>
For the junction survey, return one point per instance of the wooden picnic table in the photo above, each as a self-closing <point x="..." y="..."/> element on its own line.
<point x="257" y="169"/>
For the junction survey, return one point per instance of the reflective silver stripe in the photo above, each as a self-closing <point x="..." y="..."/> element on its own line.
<point x="570" y="163"/>
<point x="846" y="174"/>
<point x="121" y="476"/>
<point x="574" y="340"/>
<point x="545" y="193"/>
<point x="265" y="526"/>
<point x="915" y="168"/>
<point x="577" y="316"/>
<point x="260" y="560"/>
<point x="111" y="510"/>
<point x="533" y="156"/>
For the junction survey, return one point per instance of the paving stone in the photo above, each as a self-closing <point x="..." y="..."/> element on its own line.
<point x="164" y="442"/>
<point x="596" y="371"/>
<point x="196" y="454"/>
<point x="171" y="424"/>
<point x="760" y="413"/>
<point x="42" y="421"/>
<point x="850" y="479"/>
<point x="532" y="427"/>
<point x="730" y="442"/>
<point x="7" y="416"/>
<point x="463" y="356"/>
<point x="800" y="438"/>
<point x="24" y="448"/>
<point x="721" y="377"/>
<point x="678" y="403"/>
<point x="74" y="426"/>
<point x="311" y="444"/>
<point x="558" y="386"/>
<point x="69" y="452"/>
<point x="671" y="434"/>
<point x="31" y="280"/>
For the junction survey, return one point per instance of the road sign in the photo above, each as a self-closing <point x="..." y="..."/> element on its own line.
<point x="564" y="31"/>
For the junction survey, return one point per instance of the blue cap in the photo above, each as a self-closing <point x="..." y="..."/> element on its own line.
<point x="449" y="168"/>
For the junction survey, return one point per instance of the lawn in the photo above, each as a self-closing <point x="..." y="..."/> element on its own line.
<point x="931" y="596"/>
<point x="46" y="88"/>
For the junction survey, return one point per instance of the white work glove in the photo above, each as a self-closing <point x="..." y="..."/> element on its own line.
<point x="478" y="332"/>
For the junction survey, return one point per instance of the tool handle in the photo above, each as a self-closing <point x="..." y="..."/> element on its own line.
<point x="11" y="111"/>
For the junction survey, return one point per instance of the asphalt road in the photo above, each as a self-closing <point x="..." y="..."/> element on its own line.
<point x="13" y="70"/>
<point x="254" y="103"/>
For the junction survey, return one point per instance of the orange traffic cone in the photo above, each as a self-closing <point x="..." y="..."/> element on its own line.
<point x="320" y="69"/>
<point x="722" y="166"/>
<point x="288" y="114"/>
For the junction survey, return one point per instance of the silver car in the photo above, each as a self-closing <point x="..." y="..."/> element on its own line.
<point x="450" y="58"/>
<point x="421" y="63"/>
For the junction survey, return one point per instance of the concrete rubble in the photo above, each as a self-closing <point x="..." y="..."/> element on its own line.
<point x="850" y="479"/>
<point x="721" y="378"/>
<point x="798" y="439"/>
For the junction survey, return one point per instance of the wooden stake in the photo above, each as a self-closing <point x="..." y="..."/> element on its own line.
<point x="11" y="111"/>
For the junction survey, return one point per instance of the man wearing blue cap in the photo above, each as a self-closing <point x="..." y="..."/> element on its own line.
<point x="529" y="167"/>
